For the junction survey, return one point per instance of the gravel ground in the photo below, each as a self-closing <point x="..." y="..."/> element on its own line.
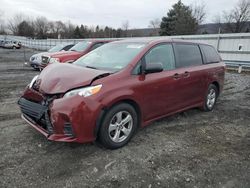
<point x="190" y="149"/>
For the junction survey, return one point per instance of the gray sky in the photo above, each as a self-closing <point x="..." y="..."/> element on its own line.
<point x="105" y="12"/>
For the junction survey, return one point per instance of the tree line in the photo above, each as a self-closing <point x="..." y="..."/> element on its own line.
<point x="181" y="19"/>
<point x="42" y="28"/>
<point x="184" y="20"/>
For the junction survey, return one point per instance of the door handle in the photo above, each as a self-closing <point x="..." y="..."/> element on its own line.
<point x="186" y="74"/>
<point x="176" y="76"/>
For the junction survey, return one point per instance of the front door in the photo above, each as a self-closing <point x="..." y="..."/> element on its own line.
<point x="160" y="90"/>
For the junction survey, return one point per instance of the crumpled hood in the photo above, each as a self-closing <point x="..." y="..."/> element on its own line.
<point x="59" y="78"/>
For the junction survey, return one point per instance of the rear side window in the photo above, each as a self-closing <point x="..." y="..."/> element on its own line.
<point x="211" y="55"/>
<point x="187" y="55"/>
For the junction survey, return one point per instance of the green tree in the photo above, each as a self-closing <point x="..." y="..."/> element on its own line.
<point x="77" y="33"/>
<point x="179" y="21"/>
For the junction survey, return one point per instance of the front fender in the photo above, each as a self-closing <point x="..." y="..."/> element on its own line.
<point x="114" y="97"/>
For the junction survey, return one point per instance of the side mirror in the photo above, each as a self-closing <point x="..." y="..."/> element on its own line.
<point x="153" y="68"/>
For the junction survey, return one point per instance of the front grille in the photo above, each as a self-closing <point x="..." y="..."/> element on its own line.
<point x="37" y="112"/>
<point x="45" y="60"/>
<point x="32" y="109"/>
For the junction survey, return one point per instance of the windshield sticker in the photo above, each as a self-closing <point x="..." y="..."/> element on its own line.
<point x="118" y="67"/>
<point x="137" y="46"/>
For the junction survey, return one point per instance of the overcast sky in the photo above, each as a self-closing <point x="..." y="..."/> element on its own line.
<point x="105" y="12"/>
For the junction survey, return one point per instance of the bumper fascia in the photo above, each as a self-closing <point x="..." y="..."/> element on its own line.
<point x="81" y="113"/>
<point x="52" y="137"/>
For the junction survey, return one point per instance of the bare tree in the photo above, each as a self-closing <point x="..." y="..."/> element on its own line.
<point x="14" y="22"/>
<point x="68" y="30"/>
<point x="56" y="28"/>
<point x="199" y="11"/>
<point x="41" y="27"/>
<point x="237" y="18"/>
<point x="125" y="26"/>
<point x="217" y="20"/>
<point x="2" y="25"/>
<point x="155" y="23"/>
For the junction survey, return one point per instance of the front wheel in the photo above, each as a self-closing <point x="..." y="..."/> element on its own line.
<point x="118" y="126"/>
<point x="211" y="97"/>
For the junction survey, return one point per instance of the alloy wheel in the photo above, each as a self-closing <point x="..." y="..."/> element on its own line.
<point x="211" y="98"/>
<point x="120" y="126"/>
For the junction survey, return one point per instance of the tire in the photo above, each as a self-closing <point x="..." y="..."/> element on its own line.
<point x="211" y="98"/>
<point x="113" y="133"/>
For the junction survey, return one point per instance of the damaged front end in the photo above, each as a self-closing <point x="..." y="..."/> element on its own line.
<point x="36" y="110"/>
<point x="58" y="111"/>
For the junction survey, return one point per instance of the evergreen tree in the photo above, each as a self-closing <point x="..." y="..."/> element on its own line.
<point x="179" y="21"/>
<point x="77" y="33"/>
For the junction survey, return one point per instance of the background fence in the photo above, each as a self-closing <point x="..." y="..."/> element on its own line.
<point x="233" y="48"/>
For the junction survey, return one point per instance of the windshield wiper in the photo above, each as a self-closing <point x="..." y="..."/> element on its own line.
<point x="90" y="67"/>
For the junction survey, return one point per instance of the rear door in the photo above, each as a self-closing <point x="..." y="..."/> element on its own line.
<point x="189" y="65"/>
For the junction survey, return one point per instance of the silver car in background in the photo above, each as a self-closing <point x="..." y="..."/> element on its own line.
<point x="36" y="59"/>
<point x="10" y="44"/>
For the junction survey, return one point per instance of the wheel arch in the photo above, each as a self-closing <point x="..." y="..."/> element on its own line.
<point x="217" y="86"/>
<point x="104" y="110"/>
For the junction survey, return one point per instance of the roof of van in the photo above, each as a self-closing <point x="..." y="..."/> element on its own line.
<point x="155" y="40"/>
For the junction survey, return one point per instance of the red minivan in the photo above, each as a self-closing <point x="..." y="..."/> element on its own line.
<point x="77" y="51"/>
<point x="110" y="92"/>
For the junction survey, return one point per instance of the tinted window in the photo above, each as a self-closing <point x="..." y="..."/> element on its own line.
<point x="66" y="48"/>
<point x="162" y="54"/>
<point x="187" y="55"/>
<point x="97" y="45"/>
<point x="210" y="54"/>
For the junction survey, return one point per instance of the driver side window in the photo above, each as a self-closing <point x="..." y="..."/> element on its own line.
<point x="161" y="54"/>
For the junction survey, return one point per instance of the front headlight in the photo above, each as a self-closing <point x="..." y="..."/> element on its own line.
<point x="54" y="60"/>
<point x="33" y="81"/>
<point x="84" y="92"/>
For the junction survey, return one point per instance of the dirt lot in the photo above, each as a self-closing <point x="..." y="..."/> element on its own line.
<point x="191" y="149"/>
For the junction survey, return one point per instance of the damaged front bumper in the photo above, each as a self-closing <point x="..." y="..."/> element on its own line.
<point x="60" y="119"/>
<point x="37" y="115"/>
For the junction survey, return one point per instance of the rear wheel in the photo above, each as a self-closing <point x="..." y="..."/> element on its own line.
<point x="211" y="97"/>
<point x="118" y="126"/>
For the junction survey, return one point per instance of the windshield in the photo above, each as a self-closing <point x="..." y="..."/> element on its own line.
<point x="80" y="46"/>
<point x="112" y="56"/>
<point x="56" y="48"/>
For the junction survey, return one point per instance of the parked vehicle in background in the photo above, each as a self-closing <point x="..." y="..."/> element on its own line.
<point x="11" y="44"/>
<point x="35" y="60"/>
<point x="110" y="92"/>
<point x="74" y="53"/>
<point x="2" y="43"/>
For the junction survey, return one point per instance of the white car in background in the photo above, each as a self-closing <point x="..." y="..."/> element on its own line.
<point x="11" y="44"/>
<point x="36" y="59"/>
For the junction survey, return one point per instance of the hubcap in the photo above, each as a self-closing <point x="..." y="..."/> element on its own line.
<point x="211" y="97"/>
<point x="120" y="126"/>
